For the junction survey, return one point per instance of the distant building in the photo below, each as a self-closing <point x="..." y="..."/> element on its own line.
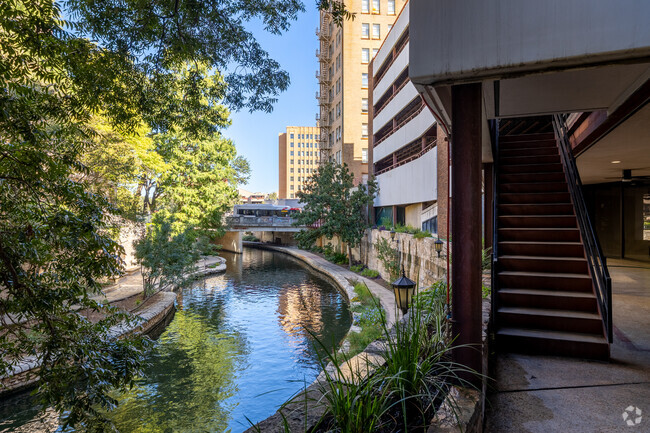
<point x="251" y="197"/>
<point x="344" y="55"/>
<point x="298" y="158"/>
<point x="408" y="153"/>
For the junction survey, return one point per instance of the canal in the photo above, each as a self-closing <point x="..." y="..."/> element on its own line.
<point x="239" y="345"/>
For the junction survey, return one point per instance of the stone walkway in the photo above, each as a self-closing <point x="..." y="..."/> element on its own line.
<point x="551" y="394"/>
<point x="131" y="284"/>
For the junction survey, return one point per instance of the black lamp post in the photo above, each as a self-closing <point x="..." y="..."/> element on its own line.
<point x="403" y="289"/>
<point x="438" y="246"/>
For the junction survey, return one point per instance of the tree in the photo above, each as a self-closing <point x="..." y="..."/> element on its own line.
<point x="336" y="204"/>
<point x="152" y="65"/>
<point x="273" y="196"/>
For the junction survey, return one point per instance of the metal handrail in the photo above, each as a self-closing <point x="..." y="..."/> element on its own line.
<point x="595" y="259"/>
<point x="494" y="132"/>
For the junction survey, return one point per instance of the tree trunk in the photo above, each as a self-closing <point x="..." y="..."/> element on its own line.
<point x="349" y="256"/>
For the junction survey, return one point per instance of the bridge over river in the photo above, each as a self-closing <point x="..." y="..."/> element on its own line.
<point x="278" y="229"/>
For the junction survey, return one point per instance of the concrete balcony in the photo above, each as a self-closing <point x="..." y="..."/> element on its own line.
<point x="532" y="57"/>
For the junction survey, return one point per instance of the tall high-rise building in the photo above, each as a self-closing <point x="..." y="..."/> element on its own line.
<point x="344" y="55"/>
<point x="299" y="158"/>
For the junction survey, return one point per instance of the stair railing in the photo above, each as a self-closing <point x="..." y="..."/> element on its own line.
<point x="494" y="135"/>
<point x="595" y="259"/>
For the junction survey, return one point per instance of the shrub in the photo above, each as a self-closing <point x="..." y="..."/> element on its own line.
<point x="356" y="268"/>
<point x="419" y="234"/>
<point x="404" y="392"/>
<point x="486" y="259"/>
<point x="370" y="273"/>
<point x="250" y="238"/>
<point x="389" y="258"/>
<point x="486" y="291"/>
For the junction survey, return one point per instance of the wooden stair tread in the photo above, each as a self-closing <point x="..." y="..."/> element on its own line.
<point x="552" y="335"/>
<point x="544" y="275"/>
<point x="553" y="229"/>
<point x="540" y="292"/>
<point x="545" y="258"/>
<point x="558" y="243"/>
<point x="531" y="216"/>
<point x="550" y="313"/>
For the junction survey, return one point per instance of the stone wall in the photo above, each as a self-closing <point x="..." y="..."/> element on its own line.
<point x="418" y="256"/>
<point x="129" y="233"/>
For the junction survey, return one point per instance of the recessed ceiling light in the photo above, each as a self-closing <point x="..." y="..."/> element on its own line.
<point x="616" y="162"/>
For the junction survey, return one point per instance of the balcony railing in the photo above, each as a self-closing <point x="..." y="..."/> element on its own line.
<point x="322" y="117"/>
<point x="262" y="221"/>
<point x="323" y="32"/>
<point x="323" y="56"/>
<point x="411" y="152"/>
<point x="323" y="76"/>
<point x="322" y="99"/>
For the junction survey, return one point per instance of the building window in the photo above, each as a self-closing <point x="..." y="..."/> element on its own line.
<point x="374" y="52"/>
<point x="291" y="170"/>
<point x="291" y="195"/>
<point x="291" y="136"/>
<point x="364" y="156"/>
<point x="291" y="179"/>
<point x="292" y="144"/>
<point x="375" y="6"/>
<point x="291" y="187"/>
<point x="430" y="225"/>
<point x="365" y="30"/>
<point x="364" y="105"/>
<point x="365" y="6"/>
<point x="365" y="55"/>
<point x="390" y="26"/>
<point x="291" y="153"/>
<point x="391" y="7"/>
<point x="364" y="130"/>
<point x="376" y="34"/>
<point x="364" y="80"/>
<point x="291" y="161"/>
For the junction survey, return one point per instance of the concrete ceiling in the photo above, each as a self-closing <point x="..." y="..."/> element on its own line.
<point x="629" y="144"/>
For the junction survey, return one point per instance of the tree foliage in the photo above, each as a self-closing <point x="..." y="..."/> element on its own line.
<point x="335" y="205"/>
<point x="89" y="109"/>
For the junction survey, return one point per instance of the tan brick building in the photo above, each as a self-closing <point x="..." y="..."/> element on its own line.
<point x="298" y="158"/>
<point x="344" y="55"/>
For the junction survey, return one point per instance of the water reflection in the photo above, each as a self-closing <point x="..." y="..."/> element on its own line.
<point x="237" y="347"/>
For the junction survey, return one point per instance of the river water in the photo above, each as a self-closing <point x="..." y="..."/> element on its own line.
<point x="239" y="345"/>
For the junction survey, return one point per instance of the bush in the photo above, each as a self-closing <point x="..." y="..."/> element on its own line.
<point x="388" y="257"/>
<point x="370" y="273"/>
<point x="419" y="234"/>
<point x="404" y="392"/>
<point x="250" y="238"/>
<point x="356" y="268"/>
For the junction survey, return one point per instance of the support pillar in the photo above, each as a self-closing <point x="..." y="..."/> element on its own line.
<point x="466" y="227"/>
<point x="488" y="200"/>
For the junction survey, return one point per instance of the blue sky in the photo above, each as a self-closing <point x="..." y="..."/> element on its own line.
<point x="256" y="134"/>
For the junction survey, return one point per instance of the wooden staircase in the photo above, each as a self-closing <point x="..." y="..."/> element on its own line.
<point x="545" y="300"/>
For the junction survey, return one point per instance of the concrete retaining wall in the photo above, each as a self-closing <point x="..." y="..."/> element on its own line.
<point x="418" y="256"/>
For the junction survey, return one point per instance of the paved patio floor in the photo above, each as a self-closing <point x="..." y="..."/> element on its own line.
<point x="551" y="394"/>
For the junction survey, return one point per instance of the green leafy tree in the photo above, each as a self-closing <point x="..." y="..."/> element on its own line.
<point x="154" y="63"/>
<point x="336" y="204"/>
<point x="166" y="257"/>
